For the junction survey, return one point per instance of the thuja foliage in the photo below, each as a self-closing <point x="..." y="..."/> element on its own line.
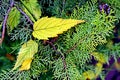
<point x="67" y="56"/>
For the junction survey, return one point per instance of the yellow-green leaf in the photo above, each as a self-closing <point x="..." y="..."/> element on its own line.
<point x="25" y="55"/>
<point x="32" y="9"/>
<point x="100" y="57"/>
<point x="89" y="74"/>
<point x="13" y="19"/>
<point x="26" y="64"/>
<point x="98" y="68"/>
<point x="46" y="27"/>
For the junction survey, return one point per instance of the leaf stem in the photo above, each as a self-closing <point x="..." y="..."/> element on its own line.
<point x="5" y="20"/>
<point x="28" y="10"/>
<point x="22" y="12"/>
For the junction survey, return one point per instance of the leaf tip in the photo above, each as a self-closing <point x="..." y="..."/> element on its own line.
<point x="81" y="21"/>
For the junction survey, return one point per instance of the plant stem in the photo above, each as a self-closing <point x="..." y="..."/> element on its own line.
<point x="22" y="12"/>
<point x="5" y="20"/>
<point x="28" y="10"/>
<point x="63" y="57"/>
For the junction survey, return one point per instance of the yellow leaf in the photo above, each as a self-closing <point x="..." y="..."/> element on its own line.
<point x="89" y="74"/>
<point x="100" y="57"/>
<point x="98" y="68"/>
<point x="26" y="64"/>
<point x="26" y="52"/>
<point x="46" y="27"/>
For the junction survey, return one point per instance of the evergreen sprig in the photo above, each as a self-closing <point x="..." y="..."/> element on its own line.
<point x="70" y="56"/>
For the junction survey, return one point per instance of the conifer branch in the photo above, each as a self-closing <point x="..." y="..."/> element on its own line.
<point x="75" y="45"/>
<point x="5" y="20"/>
<point x="65" y="65"/>
<point x="63" y="57"/>
<point x="72" y="48"/>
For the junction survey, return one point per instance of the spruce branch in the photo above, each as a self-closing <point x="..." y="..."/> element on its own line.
<point x="5" y="20"/>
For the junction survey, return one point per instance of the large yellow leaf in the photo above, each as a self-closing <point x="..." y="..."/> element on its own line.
<point x="25" y="55"/>
<point x="46" y="27"/>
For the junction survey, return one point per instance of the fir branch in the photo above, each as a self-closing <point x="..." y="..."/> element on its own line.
<point x="5" y="20"/>
<point x="22" y="12"/>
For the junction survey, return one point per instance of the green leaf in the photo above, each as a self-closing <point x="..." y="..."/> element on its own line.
<point x="13" y="19"/>
<point x="26" y="54"/>
<point x="46" y="27"/>
<point x="32" y="9"/>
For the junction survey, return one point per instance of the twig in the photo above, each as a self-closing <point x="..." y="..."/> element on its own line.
<point x="64" y="64"/>
<point x="76" y="44"/>
<point x="5" y="20"/>
<point x="63" y="57"/>
<point x="51" y="44"/>
<point x="22" y="12"/>
<point x="72" y="48"/>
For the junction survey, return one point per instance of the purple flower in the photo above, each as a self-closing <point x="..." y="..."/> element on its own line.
<point x="113" y="75"/>
<point x="105" y="8"/>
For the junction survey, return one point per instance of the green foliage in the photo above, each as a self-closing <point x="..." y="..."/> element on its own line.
<point x="110" y="50"/>
<point x="4" y="4"/>
<point x="90" y="34"/>
<point x="80" y="42"/>
<point x="74" y="49"/>
<point x="23" y="32"/>
<point x="59" y="8"/>
<point x="41" y="65"/>
<point x="115" y="4"/>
